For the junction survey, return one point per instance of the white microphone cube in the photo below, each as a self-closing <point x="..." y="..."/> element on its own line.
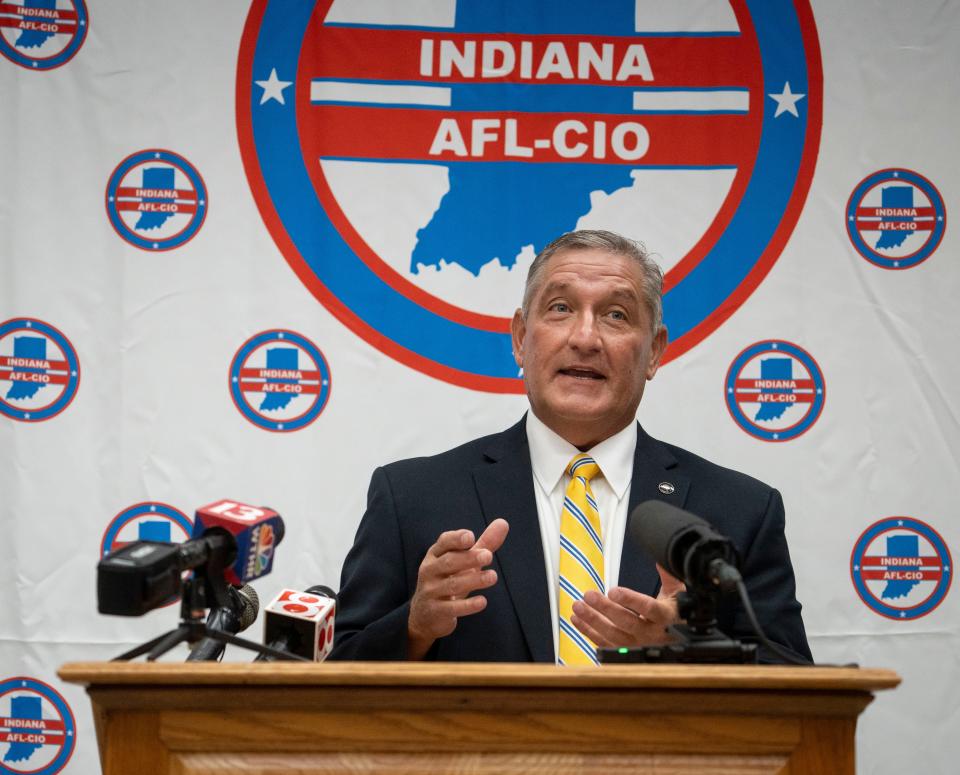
<point x="309" y="615"/>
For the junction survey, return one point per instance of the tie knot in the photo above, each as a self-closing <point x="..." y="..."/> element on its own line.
<point x="583" y="465"/>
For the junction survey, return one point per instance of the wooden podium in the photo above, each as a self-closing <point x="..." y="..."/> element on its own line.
<point x="296" y="719"/>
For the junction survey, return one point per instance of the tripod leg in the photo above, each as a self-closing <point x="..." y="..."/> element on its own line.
<point x="143" y="648"/>
<point x="168" y="641"/>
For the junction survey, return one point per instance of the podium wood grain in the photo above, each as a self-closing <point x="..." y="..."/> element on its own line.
<point x="294" y="719"/>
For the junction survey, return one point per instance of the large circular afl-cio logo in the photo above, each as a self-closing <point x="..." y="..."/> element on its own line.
<point x="411" y="190"/>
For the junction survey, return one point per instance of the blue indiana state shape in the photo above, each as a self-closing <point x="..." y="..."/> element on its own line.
<point x="154" y="530"/>
<point x="155" y="177"/>
<point x="895" y="196"/>
<point x="548" y="16"/>
<point x="284" y="358"/>
<point x="774" y="368"/>
<point x="23" y="708"/>
<point x="901" y="546"/>
<point x="34" y="348"/>
<point x="494" y="210"/>
<point x="35" y="38"/>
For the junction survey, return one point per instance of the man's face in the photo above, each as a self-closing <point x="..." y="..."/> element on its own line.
<point x="586" y="346"/>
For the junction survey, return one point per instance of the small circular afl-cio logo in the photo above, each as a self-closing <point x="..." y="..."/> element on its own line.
<point x="279" y="380"/>
<point x="42" y="35"/>
<point x="775" y="390"/>
<point x="156" y="200"/>
<point x="901" y="568"/>
<point x="896" y="218"/>
<point x="39" y="370"/>
<point x="37" y="725"/>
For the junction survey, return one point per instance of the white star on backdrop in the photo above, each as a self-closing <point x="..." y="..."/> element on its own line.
<point x="786" y="101"/>
<point x="273" y="88"/>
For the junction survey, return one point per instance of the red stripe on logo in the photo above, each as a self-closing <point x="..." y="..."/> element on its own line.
<point x="141" y="192"/>
<point x="53" y="725"/>
<point x="775" y="398"/>
<point x="885" y="212"/>
<point x="167" y="207"/>
<point x="883" y="560"/>
<point x="7" y="360"/>
<point x="247" y="373"/>
<point x="674" y="62"/>
<point x="39" y="14"/>
<point x="893" y="575"/>
<point x="12" y="375"/>
<point x="279" y="389"/>
<point x="31" y="25"/>
<point x="751" y="384"/>
<point x="906" y="226"/>
<point x="689" y="140"/>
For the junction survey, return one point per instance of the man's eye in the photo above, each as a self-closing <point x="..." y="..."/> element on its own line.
<point x="618" y="314"/>
<point x="559" y="306"/>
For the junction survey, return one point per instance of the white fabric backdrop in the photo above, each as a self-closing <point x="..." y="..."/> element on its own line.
<point x="155" y="332"/>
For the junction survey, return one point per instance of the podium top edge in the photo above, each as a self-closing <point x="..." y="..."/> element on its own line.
<point x="606" y="677"/>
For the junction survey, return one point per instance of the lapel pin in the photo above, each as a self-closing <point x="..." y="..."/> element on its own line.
<point x="666" y="488"/>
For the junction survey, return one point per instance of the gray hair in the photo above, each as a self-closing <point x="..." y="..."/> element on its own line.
<point x="611" y="243"/>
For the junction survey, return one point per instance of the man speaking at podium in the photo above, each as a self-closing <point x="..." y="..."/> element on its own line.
<point x="512" y="547"/>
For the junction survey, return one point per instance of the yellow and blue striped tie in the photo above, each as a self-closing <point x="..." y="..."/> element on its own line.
<point x="581" y="559"/>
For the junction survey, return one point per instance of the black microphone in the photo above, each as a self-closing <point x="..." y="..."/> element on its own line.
<point x="231" y="541"/>
<point x="300" y="623"/>
<point x="233" y="618"/>
<point x="145" y="575"/>
<point x="686" y="545"/>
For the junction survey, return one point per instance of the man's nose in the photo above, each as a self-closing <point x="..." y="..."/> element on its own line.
<point x="584" y="334"/>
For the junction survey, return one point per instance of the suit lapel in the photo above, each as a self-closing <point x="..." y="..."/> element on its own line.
<point x="505" y="488"/>
<point x="654" y="470"/>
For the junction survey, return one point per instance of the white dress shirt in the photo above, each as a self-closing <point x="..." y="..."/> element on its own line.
<point x="549" y="456"/>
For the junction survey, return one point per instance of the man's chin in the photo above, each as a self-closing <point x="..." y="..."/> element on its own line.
<point x="575" y="409"/>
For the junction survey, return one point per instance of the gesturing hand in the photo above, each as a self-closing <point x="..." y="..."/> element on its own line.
<point x="627" y="618"/>
<point x="452" y="568"/>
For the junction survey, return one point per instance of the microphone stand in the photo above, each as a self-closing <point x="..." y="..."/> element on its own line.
<point x="193" y="625"/>
<point x="697" y="641"/>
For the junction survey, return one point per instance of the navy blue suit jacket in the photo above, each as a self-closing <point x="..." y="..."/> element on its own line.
<point x="412" y="501"/>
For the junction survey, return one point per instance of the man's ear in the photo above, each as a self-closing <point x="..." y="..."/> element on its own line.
<point x="518" y="329"/>
<point x="656" y="351"/>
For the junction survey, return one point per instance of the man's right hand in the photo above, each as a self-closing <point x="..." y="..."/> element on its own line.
<point x="453" y="567"/>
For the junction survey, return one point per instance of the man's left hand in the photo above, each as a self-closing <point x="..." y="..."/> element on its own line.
<point x="624" y="617"/>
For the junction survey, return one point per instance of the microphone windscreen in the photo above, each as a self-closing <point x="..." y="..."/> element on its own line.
<point x="249" y="606"/>
<point x="654" y="527"/>
<point x="322" y="589"/>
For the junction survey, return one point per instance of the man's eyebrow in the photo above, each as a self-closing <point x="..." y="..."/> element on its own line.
<point x="625" y="292"/>
<point x="555" y="286"/>
<point x="619" y="292"/>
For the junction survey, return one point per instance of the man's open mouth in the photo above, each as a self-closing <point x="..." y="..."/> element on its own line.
<point x="580" y="373"/>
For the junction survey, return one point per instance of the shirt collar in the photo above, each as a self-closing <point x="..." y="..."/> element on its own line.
<point x="550" y="454"/>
